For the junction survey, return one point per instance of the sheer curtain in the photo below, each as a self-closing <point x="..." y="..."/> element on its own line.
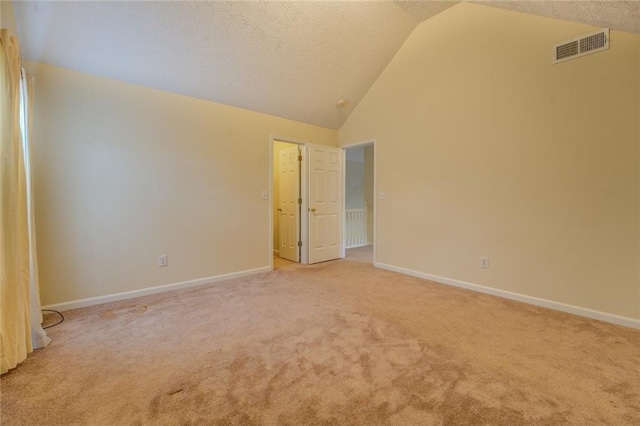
<point x="20" y="315"/>
<point x="38" y="335"/>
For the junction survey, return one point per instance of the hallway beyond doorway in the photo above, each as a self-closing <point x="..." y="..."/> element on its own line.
<point x="361" y="254"/>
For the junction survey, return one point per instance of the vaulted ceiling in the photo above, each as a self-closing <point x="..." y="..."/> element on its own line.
<point x="291" y="59"/>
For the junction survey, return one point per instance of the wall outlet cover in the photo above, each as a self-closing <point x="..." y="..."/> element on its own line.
<point x="484" y="262"/>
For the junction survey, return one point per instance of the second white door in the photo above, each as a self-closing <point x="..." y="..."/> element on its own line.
<point x="325" y="203"/>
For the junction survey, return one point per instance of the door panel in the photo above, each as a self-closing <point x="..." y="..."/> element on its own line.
<point x="288" y="208"/>
<point x="325" y="203"/>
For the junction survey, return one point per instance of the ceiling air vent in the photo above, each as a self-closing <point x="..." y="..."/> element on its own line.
<point x="584" y="45"/>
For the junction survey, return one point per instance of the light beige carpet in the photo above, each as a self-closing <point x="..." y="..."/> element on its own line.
<point x="336" y="343"/>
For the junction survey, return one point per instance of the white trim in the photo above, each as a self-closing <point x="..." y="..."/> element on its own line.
<point x="82" y="303"/>
<point x="576" y="310"/>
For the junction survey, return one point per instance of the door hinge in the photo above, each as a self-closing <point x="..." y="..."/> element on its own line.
<point x="299" y="157"/>
<point x="299" y="200"/>
<point x="299" y="243"/>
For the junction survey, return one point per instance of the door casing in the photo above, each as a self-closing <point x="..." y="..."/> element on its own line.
<point x="304" y="222"/>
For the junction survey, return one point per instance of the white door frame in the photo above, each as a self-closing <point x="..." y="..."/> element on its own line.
<point x="304" y="226"/>
<point x="375" y="191"/>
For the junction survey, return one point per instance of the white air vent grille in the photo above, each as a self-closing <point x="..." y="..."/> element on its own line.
<point x="567" y="50"/>
<point x="590" y="43"/>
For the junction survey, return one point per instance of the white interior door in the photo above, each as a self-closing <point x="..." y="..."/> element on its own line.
<point x="325" y="203"/>
<point x="289" y="205"/>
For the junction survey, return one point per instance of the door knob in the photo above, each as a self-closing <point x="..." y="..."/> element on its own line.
<point x="312" y="209"/>
<point x="279" y="210"/>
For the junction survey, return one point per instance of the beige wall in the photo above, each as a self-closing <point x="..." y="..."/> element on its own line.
<point x="484" y="148"/>
<point x="125" y="173"/>
<point x="7" y="17"/>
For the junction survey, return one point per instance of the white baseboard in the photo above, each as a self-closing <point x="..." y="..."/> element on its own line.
<point x="576" y="310"/>
<point x="83" y="303"/>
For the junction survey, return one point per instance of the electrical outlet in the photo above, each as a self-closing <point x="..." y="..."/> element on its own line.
<point x="163" y="260"/>
<point x="484" y="262"/>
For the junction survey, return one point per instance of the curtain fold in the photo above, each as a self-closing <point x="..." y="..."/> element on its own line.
<point x="17" y="265"/>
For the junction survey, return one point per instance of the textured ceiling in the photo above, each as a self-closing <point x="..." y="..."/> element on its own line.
<point x="615" y="14"/>
<point x="290" y="59"/>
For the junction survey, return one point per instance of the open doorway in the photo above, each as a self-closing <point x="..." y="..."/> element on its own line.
<point x="287" y="201"/>
<point x="359" y="203"/>
<point x="307" y="183"/>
